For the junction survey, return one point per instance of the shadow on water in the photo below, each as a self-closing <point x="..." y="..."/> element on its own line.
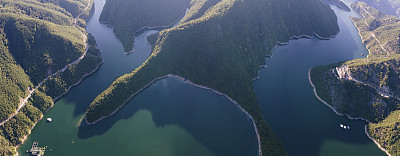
<point x="305" y="125"/>
<point x="212" y="119"/>
<point x="173" y="101"/>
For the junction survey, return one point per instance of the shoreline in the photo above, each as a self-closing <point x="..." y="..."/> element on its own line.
<point x="90" y="3"/>
<point x="84" y="76"/>
<point x="213" y="90"/>
<point x="340" y="114"/>
<point x="193" y="84"/>
<point x="348" y="9"/>
<point x="380" y="147"/>
<point x="55" y="99"/>
<point x="144" y="29"/>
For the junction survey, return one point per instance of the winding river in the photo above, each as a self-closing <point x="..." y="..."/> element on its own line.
<point x="304" y="124"/>
<point x="174" y="118"/>
<point x="171" y="117"/>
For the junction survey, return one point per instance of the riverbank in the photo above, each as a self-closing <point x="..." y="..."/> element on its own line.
<point x="342" y="114"/>
<point x="191" y="83"/>
<point x="376" y="143"/>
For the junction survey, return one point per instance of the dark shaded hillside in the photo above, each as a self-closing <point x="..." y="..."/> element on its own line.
<point x="223" y="49"/>
<point x="150" y="13"/>
<point x="41" y="47"/>
<point x="391" y="7"/>
<point x="379" y="32"/>
<point x="370" y="91"/>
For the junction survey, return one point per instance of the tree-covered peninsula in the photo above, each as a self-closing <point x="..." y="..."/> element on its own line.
<point x="368" y="88"/>
<point x="43" y="52"/>
<point x="221" y="44"/>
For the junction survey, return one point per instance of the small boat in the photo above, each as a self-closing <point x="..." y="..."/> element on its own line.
<point x="362" y="54"/>
<point x="49" y="119"/>
<point x="344" y="126"/>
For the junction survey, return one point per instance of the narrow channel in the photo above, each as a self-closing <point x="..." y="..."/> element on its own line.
<point x="170" y="117"/>
<point x="304" y="124"/>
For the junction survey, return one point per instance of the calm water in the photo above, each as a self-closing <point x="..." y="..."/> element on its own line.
<point x="305" y="125"/>
<point x="169" y="118"/>
<point x="174" y="118"/>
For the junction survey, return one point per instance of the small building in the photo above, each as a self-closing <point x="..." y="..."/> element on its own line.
<point x="37" y="151"/>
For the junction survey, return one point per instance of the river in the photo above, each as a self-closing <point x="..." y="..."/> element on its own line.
<point x="304" y="124"/>
<point x="174" y="118"/>
<point x="171" y="117"/>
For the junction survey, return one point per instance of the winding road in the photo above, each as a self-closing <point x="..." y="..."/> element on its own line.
<point x="23" y="102"/>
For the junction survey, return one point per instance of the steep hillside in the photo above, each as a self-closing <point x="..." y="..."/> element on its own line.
<point x="363" y="88"/>
<point x="368" y="88"/>
<point x="387" y="133"/>
<point x="149" y="13"/>
<point x="379" y="32"/>
<point x="222" y="48"/>
<point x="391" y="7"/>
<point x="39" y="39"/>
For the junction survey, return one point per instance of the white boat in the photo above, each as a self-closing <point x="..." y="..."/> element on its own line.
<point x="344" y="126"/>
<point x="49" y="119"/>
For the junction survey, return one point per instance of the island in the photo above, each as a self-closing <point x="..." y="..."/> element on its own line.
<point x="45" y="50"/>
<point x="367" y="88"/>
<point x="221" y="45"/>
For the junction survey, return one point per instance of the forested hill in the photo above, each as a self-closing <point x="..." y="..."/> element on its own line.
<point x="149" y="13"/>
<point x="37" y="39"/>
<point x="391" y="7"/>
<point x="221" y="45"/>
<point x="368" y="88"/>
<point x="379" y="32"/>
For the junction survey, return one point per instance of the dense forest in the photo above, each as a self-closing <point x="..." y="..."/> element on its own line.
<point x="148" y="14"/>
<point x="38" y="39"/>
<point x="221" y="45"/>
<point x="368" y="88"/>
<point x="379" y="31"/>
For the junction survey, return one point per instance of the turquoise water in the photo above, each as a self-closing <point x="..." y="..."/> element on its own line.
<point x="170" y="117"/>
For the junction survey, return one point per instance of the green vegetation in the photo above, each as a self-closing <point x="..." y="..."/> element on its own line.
<point x="361" y="98"/>
<point x="150" y="13"/>
<point x="372" y="89"/>
<point x="379" y="32"/>
<point x="387" y="133"/>
<point x="5" y="147"/>
<point x="62" y="81"/>
<point x="391" y="7"/>
<point x="221" y="47"/>
<point x="38" y="38"/>
<point x="340" y="4"/>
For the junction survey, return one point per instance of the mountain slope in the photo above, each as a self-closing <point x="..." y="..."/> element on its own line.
<point x="368" y="88"/>
<point x="149" y="13"/>
<point x="391" y="7"/>
<point x="39" y="39"/>
<point x="222" y="49"/>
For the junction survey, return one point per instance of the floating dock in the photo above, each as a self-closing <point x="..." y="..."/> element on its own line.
<point x="35" y="150"/>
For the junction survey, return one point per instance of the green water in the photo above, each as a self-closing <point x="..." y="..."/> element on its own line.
<point x="304" y="124"/>
<point x="170" y="118"/>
